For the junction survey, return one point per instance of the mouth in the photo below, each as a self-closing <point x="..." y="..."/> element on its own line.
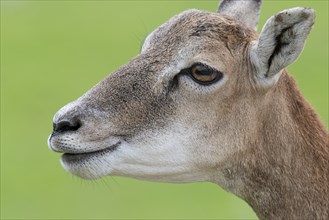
<point x="75" y="157"/>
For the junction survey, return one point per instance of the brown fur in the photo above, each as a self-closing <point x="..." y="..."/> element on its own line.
<point x="265" y="144"/>
<point x="285" y="170"/>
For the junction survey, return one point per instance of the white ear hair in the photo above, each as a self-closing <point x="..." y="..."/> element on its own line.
<point x="246" y="12"/>
<point x="280" y="42"/>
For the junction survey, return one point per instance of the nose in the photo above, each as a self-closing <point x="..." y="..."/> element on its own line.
<point x="66" y="125"/>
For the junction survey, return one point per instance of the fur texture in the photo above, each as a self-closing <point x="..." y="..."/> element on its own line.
<point x="251" y="132"/>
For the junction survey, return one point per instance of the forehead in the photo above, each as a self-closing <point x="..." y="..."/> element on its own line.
<point x="194" y="25"/>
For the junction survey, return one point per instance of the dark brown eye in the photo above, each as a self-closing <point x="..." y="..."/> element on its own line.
<point x="204" y="74"/>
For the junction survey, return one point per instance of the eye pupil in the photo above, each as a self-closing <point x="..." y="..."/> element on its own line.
<point x="203" y="74"/>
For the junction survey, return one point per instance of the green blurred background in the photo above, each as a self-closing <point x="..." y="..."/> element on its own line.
<point x="54" y="51"/>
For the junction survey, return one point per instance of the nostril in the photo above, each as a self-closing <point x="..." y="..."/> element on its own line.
<point x="64" y="126"/>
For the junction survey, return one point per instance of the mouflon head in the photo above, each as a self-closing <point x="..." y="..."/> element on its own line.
<point x="188" y="102"/>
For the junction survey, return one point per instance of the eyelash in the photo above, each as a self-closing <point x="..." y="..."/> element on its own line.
<point x="188" y="71"/>
<point x="174" y="83"/>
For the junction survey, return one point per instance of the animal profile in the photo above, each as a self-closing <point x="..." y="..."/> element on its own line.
<point x="208" y="99"/>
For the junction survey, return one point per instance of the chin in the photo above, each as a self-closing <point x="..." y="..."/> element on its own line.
<point x="89" y="166"/>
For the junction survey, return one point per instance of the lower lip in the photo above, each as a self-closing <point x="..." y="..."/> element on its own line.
<point x="83" y="156"/>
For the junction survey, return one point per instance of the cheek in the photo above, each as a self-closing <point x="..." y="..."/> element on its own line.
<point x="161" y="155"/>
<point x="207" y="132"/>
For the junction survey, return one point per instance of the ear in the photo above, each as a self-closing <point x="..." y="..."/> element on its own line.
<point x="245" y="12"/>
<point x="280" y="42"/>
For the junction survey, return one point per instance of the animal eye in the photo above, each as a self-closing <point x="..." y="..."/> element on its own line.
<point x="204" y="74"/>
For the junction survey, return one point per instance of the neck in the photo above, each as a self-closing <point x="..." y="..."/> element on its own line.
<point x="285" y="173"/>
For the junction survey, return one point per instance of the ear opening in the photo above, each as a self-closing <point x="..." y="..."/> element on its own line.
<point x="281" y="41"/>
